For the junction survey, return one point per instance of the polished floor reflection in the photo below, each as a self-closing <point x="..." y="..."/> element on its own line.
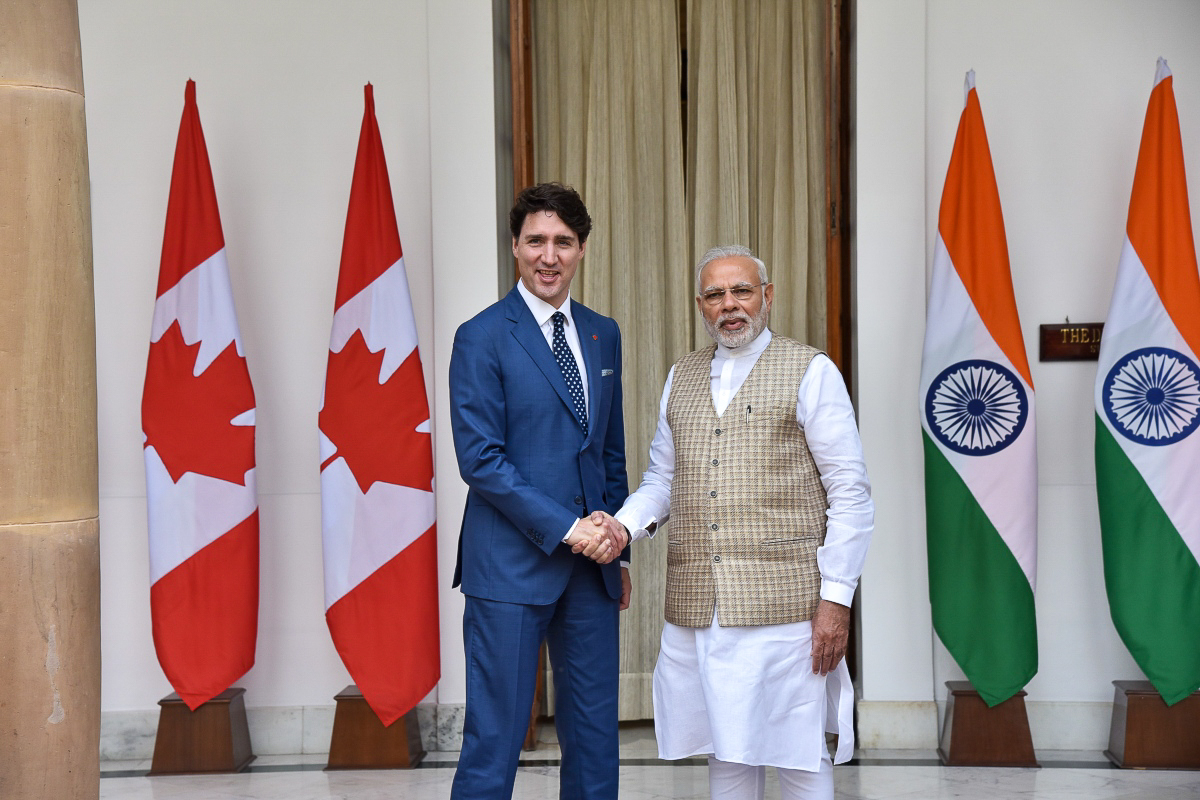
<point x="873" y="775"/>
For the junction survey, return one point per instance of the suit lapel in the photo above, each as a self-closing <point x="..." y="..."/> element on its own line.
<point x="589" y="344"/>
<point x="527" y="333"/>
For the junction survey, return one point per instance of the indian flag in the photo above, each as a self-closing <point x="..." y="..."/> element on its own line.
<point x="978" y="430"/>
<point x="1147" y="408"/>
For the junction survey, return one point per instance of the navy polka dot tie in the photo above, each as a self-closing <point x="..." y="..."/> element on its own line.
<point x="570" y="370"/>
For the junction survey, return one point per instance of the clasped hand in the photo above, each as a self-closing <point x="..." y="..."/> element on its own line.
<point x="599" y="537"/>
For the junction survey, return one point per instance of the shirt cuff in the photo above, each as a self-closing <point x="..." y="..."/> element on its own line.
<point x="645" y="530"/>
<point x="568" y="536"/>
<point x="835" y="592"/>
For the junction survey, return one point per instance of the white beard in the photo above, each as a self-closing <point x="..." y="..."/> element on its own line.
<point x="739" y="338"/>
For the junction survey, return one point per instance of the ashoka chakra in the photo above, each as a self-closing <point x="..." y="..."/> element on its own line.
<point x="976" y="407"/>
<point x="1152" y="396"/>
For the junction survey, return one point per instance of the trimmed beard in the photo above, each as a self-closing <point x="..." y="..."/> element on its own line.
<point x="733" y="339"/>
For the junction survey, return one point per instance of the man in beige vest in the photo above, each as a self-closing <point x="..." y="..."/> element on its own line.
<point x="757" y="463"/>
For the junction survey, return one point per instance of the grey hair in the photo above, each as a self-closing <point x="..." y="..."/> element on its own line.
<point x="730" y="251"/>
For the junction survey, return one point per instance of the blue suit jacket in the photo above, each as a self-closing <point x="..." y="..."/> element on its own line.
<point x="521" y="450"/>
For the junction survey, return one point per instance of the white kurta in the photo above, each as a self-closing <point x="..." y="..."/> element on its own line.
<point x="748" y="694"/>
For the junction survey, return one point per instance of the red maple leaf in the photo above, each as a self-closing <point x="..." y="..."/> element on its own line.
<point x="187" y="418"/>
<point x="374" y="425"/>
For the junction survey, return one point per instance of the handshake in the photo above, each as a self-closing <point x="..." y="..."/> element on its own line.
<point x="599" y="537"/>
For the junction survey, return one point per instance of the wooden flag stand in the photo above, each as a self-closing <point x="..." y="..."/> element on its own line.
<point x="360" y="740"/>
<point x="976" y="735"/>
<point x="1146" y="733"/>
<point x="213" y="738"/>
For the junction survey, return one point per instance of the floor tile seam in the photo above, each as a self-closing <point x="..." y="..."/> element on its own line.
<point x="624" y="762"/>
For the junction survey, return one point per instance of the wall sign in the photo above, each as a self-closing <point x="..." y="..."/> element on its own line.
<point x="1079" y="341"/>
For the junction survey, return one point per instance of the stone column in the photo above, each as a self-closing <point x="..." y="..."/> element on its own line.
<point x="49" y="544"/>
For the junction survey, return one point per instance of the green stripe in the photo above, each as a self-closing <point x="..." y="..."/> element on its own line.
<point x="983" y="609"/>
<point x="1152" y="578"/>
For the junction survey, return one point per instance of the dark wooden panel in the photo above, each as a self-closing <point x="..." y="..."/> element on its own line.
<point x="521" y="55"/>
<point x="838" y="31"/>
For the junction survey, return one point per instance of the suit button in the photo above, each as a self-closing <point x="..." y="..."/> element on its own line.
<point x="717" y="431"/>
<point x="578" y="500"/>
<point x="712" y="494"/>
<point x="714" y="526"/>
<point x="715" y="462"/>
<point x="717" y="559"/>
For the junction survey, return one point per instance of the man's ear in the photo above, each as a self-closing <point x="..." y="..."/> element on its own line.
<point x="768" y="295"/>
<point x="514" y="248"/>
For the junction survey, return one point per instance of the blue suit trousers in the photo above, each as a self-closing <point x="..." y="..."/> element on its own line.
<point x="502" y="641"/>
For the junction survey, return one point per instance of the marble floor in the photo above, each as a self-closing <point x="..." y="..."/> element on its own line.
<point x="872" y="775"/>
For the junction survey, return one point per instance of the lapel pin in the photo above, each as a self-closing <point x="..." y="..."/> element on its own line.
<point x="595" y="337"/>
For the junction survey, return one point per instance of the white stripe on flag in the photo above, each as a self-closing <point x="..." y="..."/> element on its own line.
<point x="382" y="311"/>
<point x="186" y="517"/>
<point x="1139" y="319"/>
<point x="403" y="512"/>
<point x="955" y="332"/>
<point x="202" y="303"/>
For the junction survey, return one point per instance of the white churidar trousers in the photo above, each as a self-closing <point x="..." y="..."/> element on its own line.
<point x="743" y="782"/>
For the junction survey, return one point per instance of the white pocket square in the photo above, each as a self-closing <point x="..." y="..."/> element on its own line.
<point x="604" y="373"/>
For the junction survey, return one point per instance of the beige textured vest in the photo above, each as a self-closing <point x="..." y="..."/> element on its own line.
<point x="747" y="504"/>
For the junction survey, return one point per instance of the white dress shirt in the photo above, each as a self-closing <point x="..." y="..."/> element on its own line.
<point x="824" y="413"/>
<point x="542" y="313"/>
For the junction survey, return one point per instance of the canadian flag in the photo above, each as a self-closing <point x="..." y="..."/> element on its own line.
<point x="198" y="421"/>
<point x="377" y="501"/>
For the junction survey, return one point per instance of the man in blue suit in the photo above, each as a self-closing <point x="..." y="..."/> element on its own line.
<point x="535" y="406"/>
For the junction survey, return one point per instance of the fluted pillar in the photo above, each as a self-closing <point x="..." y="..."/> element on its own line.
<point x="49" y="546"/>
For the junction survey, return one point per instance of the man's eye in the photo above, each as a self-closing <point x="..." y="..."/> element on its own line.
<point x="742" y="292"/>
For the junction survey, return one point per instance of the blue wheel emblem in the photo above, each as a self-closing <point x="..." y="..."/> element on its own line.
<point x="976" y="407"/>
<point x="1152" y="396"/>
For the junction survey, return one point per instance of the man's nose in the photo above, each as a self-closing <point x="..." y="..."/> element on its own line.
<point x="728" y="303"/>
<point x="548" y="254"/>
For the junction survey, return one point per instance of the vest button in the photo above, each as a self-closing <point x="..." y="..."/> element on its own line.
<point x="714" y="526"/>
<point x="717" y="431"/>
<point x="717" y="559"/>
<point x="578" y="500"/>
<point x="715" y="462"/>
<point x="712" y="494"/>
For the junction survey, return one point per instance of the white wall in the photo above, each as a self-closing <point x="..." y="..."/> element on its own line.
<point x="1064" y="87"/>
<point x="280" y="92"/>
